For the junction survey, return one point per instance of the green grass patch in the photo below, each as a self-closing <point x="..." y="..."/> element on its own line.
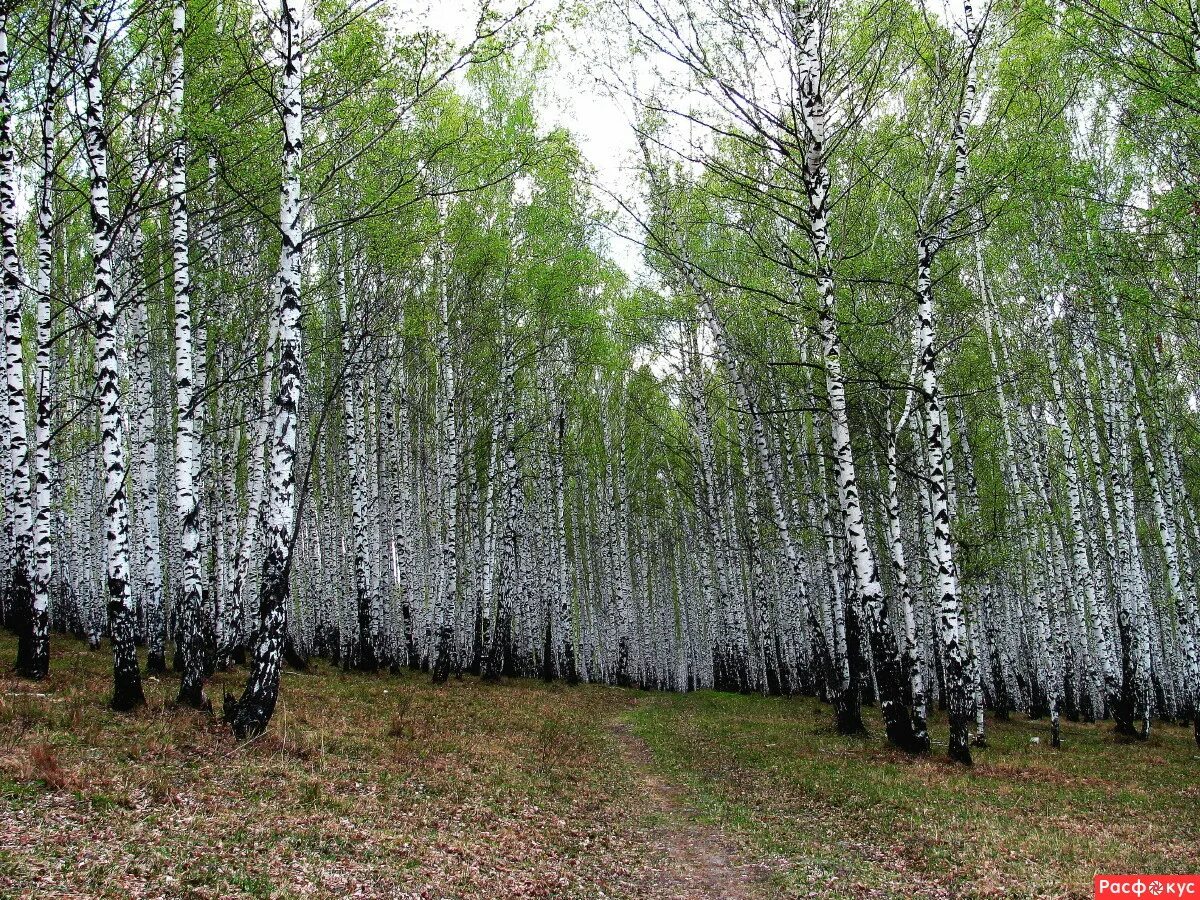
<point x="853" y="817"/>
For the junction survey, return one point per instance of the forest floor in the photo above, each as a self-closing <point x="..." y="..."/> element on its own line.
<point x="386" y="786"/>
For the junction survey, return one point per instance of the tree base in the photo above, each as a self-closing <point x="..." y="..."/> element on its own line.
<point x="247" y="717"/>
<point x="960" y="752"/>
<point x="192" y="696"/>
<point x="127" y="697"/>
<point x="848" y="713"/>
<point x="34" y="670"/>
<point x="909" y="739"/>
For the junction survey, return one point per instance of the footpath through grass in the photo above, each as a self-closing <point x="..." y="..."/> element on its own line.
<point x="851" y="818"/>
<point x="385" y="786"/>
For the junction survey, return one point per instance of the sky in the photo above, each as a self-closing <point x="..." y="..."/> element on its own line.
<point x="575" y="96"/>
<point x="589" y="56"/>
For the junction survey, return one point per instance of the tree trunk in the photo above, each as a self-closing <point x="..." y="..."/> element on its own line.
<point x="250" y="714"/>
<point x="127" y="682"/>
<point x="32" y="653"/>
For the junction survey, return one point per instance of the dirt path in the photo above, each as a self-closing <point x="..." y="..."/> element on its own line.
<point x="699" y="861"/>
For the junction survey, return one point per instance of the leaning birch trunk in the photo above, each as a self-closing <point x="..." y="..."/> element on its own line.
<point x="32" y="653"/>
<point x="1167" y="536"/>
<point x="250" y="714"/>
<point x="888" y="666"/>
<point x="127" y="680"/>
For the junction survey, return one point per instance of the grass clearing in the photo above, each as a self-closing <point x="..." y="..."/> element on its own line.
<point x="853" y="818"/>
<point x="379" y="786"/>
<point x="386" y="786"/>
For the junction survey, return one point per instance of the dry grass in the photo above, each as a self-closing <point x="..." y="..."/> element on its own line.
<point x="383" y="786"/>
<point x="365" y="786"/>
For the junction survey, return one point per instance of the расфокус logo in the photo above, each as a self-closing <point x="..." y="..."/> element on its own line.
<point x="1125" y="887"/>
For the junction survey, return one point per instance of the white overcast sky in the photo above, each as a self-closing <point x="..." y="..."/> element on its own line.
<point x="587" y="57"/>
<point x="574" y="94"/>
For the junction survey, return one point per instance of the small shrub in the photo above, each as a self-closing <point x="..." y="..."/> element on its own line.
<point x="401" y="726"/>
<point x="45" y="765"/>
<point x="550" y="742"/>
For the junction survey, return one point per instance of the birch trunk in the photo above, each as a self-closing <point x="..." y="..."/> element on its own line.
<point x="566" y="624"/>
<point x="448" y="476"/>
<point x="191" y="630"/>
<point x="352" y="409"/>
<point x="950" y="610"/>
<point x="147" y="485"/>
<point x="250" y="714"/>
<point x="122" y="612"/>
<point x="32" y="659"/>
<point x="867" y="585"/>
<point x="43" y="562"/>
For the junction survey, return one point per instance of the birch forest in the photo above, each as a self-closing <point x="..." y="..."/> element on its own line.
<point x="862" y="384"/>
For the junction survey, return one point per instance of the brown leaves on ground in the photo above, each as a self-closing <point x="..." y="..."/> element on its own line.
<point x="365" y="786"/>
<point x="388" y="787"/>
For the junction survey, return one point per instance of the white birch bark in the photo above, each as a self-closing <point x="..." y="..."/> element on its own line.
<point x="950" y="608"/>
<point x="250" y="714"/>
<point x="146" y="479"/>
<point x="250" y="535"/>
<point x="566" y="623"/>
<point x="190" y="630"/>
<point x="1167" y="534"/>
<point x="19" y="500"/>
<point x="867" y="586"/>
<point x="43" y="560"/>
<point x="1133" y="615"/>
<point x="914" y="664"/>
<point x="1104" y="680"/>
<point x="355" y="448"/>
<point x="448" y="476"/>
<point x="127" y="685"/>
